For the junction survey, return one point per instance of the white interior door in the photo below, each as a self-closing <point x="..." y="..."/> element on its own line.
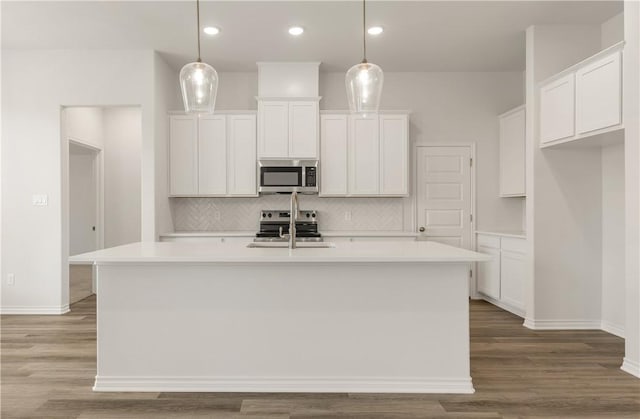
<point x="444" y="194"/>
<point x="83" y="200"/>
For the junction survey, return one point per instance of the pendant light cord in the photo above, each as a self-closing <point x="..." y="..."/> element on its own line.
<point x="364" y="31"/>
<point x="198" y="27"/>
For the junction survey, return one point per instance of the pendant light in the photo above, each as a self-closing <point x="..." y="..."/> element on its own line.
<point x="199" y="82"/>
<point x="364" y="81"/>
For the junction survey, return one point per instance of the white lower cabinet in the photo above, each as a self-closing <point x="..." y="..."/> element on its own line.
<point x="489" y="273"/>
<point x="212" y="155"/>
<point x="501" y="280"/>
<point x="364" y="156"/>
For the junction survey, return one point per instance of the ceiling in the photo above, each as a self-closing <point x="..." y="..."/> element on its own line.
<point x="418" y="36"/>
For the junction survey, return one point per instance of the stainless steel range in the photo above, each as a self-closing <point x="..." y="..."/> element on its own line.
<point x="275" y="223"/>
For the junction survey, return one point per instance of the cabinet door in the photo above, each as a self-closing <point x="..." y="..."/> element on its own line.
<point x="394" y="168"/>
<point x="598" y="94"/>
<point x="489" y="273"/>
<point x="512" y="153"/>
<point x="183" y="155"/>
<point x="333" y="155"/>
<point x="242" y="155"/>
<point x="303" y="130"/>
<point x="364" y="153"/>
<point x="557" y="109"/>
<point x="273" y="129"/>
<point x="212" y="155"/>
<point x="512" y="274"/>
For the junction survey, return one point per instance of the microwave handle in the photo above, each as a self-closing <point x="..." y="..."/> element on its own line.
<point x="303" y="181"/>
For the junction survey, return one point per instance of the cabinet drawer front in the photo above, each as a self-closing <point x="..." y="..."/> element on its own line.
<point x="512" y="277"/>
<point x="489" y="241"/>
<point x="598" y="94"/>
<point x="513" y="244"/>
<point x="557" y="109"/>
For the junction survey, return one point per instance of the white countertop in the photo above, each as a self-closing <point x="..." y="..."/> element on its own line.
<point x="504" y="233"/>
<point x="378" y="251"/>
<point x="324" y="233"/>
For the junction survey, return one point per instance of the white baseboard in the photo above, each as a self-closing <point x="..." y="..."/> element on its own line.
<point x="35" y="310"/>
<point x="614" y="329"/>
<point x="285" y="385"/>
<point x="562" y="324"/>
<point x="505" y="306"/>
<point x="631" y="367"/>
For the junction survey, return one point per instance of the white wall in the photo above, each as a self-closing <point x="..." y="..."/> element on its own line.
<point x="167" y="97"/>
<point x="446" y="108"/>
<point x="612" y="30"/>
<point x="122" y="175"/>
<point x="36" y="84"/>
<point x="631" y="117"/>
<point x="613" y="258"/>
<point x="84" y="124"/>
<point x="613" y="282"/>
<point x="564" y="201"/>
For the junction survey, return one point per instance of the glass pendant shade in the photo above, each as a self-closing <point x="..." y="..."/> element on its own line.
<point x="199" y="84"/>
<point x="364" y="88"/>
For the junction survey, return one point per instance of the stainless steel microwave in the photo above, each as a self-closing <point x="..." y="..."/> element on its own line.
<point x="286" y="176"/>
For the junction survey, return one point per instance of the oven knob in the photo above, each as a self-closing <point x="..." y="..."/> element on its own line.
<point x="269" y="215"/>
<point x="264" y="214"/>
<point x="313" y="214"/>
<point x="308" y="215"/>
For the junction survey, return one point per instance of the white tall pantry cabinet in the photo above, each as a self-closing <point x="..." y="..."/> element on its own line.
<point x="212" y="155"/>
<point x="364" y="156"/>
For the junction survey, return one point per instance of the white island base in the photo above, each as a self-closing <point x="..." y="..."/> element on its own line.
<point x="286" y="325"/>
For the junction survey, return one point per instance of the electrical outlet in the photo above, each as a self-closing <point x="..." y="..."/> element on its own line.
<point x="347" y="215"/>
<point x="11" y="279"/>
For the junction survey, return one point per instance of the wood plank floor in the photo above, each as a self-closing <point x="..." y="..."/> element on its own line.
<point x="48" y="366"/>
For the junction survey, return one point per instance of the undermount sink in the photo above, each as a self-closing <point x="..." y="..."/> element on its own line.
<point x="299" y="245"/>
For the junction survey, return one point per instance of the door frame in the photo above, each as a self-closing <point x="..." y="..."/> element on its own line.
<point x="98" y="172"/>
<point x="473" y="293"/>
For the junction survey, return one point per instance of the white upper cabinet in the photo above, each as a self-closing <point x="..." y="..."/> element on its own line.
<point x="394" y="155"/>
<point x="241" y="142"/>
<point x="183" y="155"/>
<point x="273" y="129"/>
<point x="557" y="109"/>
<point x="333" y="155"/>
<point x="303" y="130"/>
<point x="512" y="152"/>
<point x="364" y="156"/>
<point x="212" y="155"/>
<point x="288" y="129"/>
<point x="598" y="94"/>
<point x="584" y="100"/>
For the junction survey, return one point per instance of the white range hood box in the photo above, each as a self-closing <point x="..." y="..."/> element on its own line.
<point x="288" y="79"/>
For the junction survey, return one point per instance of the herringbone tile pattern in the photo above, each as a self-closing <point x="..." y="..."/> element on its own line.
<point x="225" y="214"/>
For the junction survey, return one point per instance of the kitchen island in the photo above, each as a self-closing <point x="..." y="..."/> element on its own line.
<point x="385" y="316"/>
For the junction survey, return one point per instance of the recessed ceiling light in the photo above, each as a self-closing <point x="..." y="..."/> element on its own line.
<point x="211" y="30"/>
<point x="296" y="30"/>
<point x="375" y="30"/>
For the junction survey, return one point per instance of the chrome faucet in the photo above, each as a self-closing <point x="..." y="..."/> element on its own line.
<point x="293" y="217"/>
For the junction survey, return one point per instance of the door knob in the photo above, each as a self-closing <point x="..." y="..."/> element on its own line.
<point x="421" y="229"/>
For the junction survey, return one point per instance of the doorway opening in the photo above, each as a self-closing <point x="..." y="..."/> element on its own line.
<point x="101" y="186"/>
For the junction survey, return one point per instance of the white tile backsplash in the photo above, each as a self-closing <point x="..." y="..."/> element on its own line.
<point x="224" y="214"/>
